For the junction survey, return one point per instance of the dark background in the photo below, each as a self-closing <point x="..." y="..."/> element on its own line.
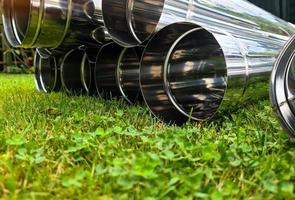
<point x="281" y="8"/>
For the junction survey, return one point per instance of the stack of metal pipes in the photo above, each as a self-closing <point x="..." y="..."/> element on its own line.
<point x="186" y="60"/>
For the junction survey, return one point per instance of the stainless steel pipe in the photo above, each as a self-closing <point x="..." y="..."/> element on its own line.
<point x="132" y="22"/>
<point x="47" y="73"/>
<point x="51" y="23"/>
<point x="282" y="93"/>
<point x="191" y="72"/>
<point x="77" y="73"/>
<point x="117" y="72"/>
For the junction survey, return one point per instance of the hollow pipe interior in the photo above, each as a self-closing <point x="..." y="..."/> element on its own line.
<point x="117" y="72"/>
<point x="76" y="72"/>
<point x="50" y="74"/>
<point x="188" y="72"/>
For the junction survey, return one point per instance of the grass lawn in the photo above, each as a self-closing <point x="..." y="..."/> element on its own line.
<point x="55" y="146"/>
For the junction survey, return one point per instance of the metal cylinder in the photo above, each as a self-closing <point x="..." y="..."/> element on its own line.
<point x="77" y="72"/>
<point x="131" y="22"/>
<point x="50" y="23"/>
<point x="191" y="72"/>
<point x="47" y="73"/>
<point x="117" y="72"/>
<point x="282" y="93"/>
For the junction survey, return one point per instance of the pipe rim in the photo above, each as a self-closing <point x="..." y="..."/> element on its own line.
<point x="86" y="63"/>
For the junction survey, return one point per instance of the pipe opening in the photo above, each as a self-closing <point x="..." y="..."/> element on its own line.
<point x="21" y="17"/>
<point x="76" y="72"/>
<point x="183" y="74"/>
<point x="196" y="74"/>
<point x="282" y="93"/>
<point x="117" y="73"/>
<point x="7" y="10"/>
<point x="105" y="71"/>
<point x="49" y="74"/>
<point x="129" y="23"/>
<point x="128" y="74"/>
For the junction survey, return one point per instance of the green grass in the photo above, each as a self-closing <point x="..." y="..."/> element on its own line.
<point x="55" y="146"/>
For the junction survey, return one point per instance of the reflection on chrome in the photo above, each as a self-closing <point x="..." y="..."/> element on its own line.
<point x="47" y="73"/>
<point x="117" y="72"/>
<point x="77" y="73"/>
<point x="189" y="72"/>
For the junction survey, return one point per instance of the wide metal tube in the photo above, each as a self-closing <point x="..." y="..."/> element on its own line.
<point x="117" y="72"/>
<point x="191" y="72"/>
<point x="47" y="73"/>
<point x="77" y="73"/>
<point x="50" y="23"/>
<point x="131" y="22"/>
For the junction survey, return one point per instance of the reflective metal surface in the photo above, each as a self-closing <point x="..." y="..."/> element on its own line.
<point x="38" y="83"/>
<point x="282" y="91"/>
<point x="189" y="72"/>
<point x="76" y="73"/>
<point x="117" y="72"/>
<point x="47" y="73"/>
<point x="132" y="22"/>
<point x="51" y="23"/>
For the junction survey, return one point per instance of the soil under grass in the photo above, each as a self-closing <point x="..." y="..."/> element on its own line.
<point x="61" y="147"/>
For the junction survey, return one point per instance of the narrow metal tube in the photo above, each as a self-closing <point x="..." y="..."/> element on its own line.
<point x="132" y="22"/>
<point x="190" y="72"/>
<point x="117" y="72"/>
<point x="76" y="72"/>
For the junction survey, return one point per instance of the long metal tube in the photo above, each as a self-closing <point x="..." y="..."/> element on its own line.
<point x="117" y="72"/>
<point x="191" y="72"/>
<point x="131" y="22"/>
<point x="47" y="73"/>
<point x="51" y="23"/>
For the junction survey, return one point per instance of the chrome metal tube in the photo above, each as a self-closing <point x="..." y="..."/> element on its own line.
<point x="47" y="73"/>
<point x="50" y="23"/>
<point x="77" y="72"/>
<point x="117" y="72"/>
<point x="131" y="22"/>
<point x="191" y="72"/>
<point x="282" y="93"/>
